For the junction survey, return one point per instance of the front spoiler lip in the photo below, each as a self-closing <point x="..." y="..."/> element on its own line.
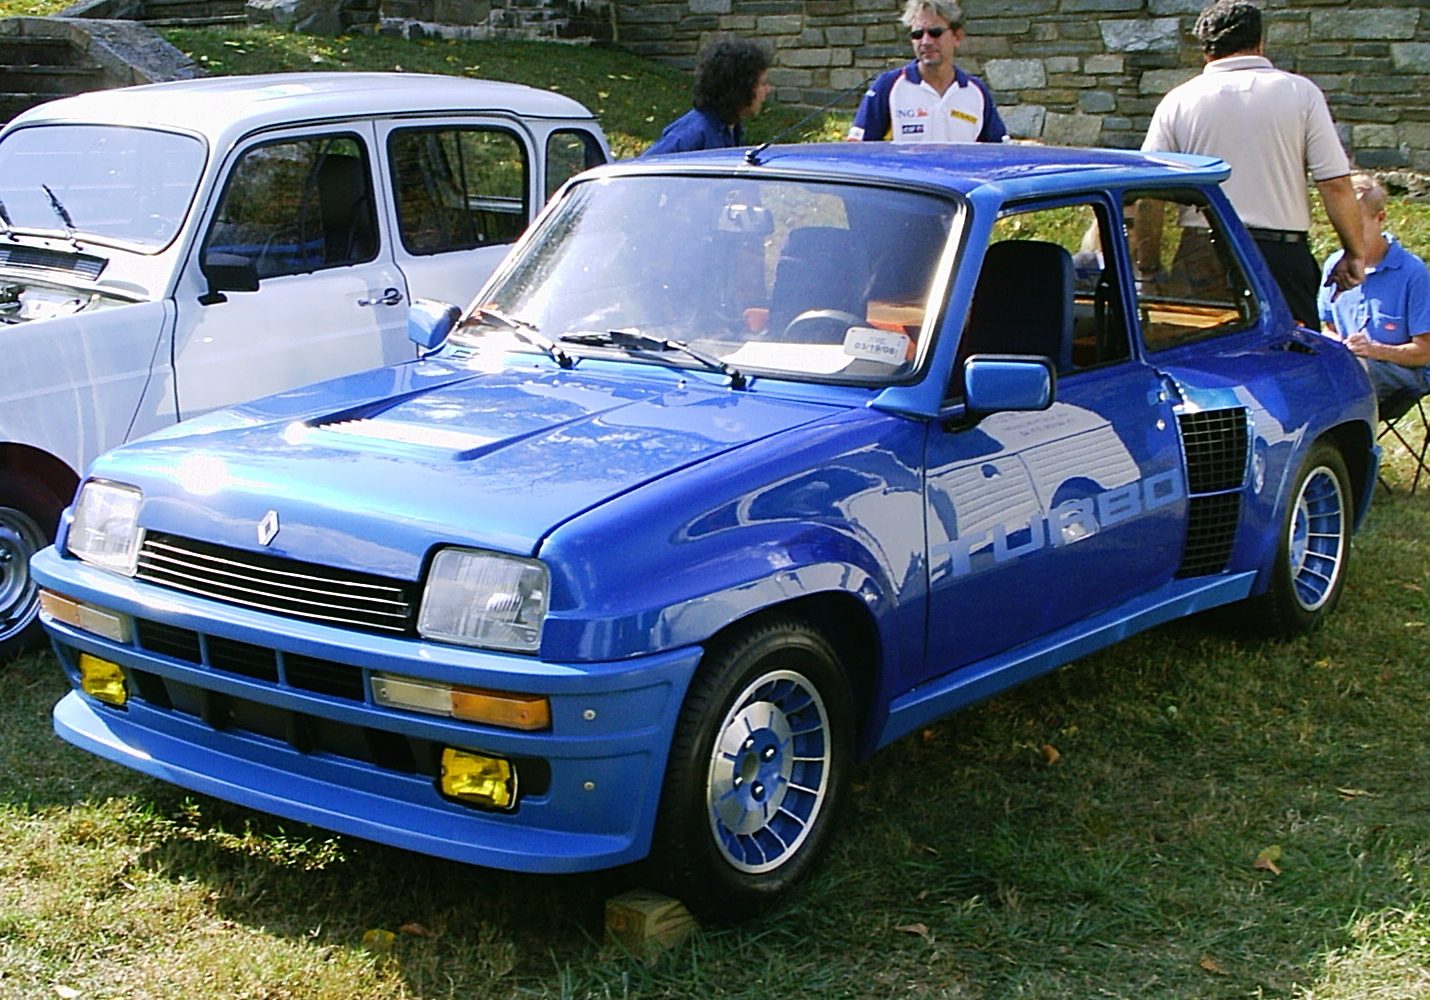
<point x="441" y="830"/>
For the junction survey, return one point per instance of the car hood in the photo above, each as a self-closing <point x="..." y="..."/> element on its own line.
<point x="431" y="456"/>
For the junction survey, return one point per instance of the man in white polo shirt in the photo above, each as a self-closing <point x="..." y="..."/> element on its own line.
<point x="1273" y="127"/>
<point x="930" y="99"/>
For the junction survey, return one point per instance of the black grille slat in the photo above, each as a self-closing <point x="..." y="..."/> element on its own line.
<point x="1215" y="445"/>
<point x="1212" y="522"/>
<point x="281" y="586"/>
<point x="323" y="676"/>
<point x="178" y="643"/>
<point x="243" y="658"/>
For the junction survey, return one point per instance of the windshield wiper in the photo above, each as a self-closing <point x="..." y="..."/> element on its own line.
<point x="634" y="340"/>
<point x="5" y="221"/>
<point x="64" y="215"/>
<point x="525" y="332"/>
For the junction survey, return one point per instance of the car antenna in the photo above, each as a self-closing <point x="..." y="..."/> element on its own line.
<point x="752" y="155"/>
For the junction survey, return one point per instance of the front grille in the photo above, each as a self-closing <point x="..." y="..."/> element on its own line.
<point x="281" y="586"/>
<point x="254" y="662"/>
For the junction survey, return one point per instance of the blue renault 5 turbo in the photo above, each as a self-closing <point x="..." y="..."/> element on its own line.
<point x="742" y="466"/>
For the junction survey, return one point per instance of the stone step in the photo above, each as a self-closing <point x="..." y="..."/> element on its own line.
<point x="157" y="10"/>
<point x="12" y="104"/>
<point x="18" y="51"/>
<point x="230" y="20"/>
<point x="51" y="81"/>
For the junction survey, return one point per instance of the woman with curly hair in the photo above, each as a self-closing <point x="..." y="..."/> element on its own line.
<point x="731" y="83"/>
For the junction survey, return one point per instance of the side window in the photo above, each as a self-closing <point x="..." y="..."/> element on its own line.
<point x="1049" y="285"/>
<point x="568" y="152"/>
<point x="298" y="205"/>
<point x="458" y="188"/>
<point x="1190" y="285"/>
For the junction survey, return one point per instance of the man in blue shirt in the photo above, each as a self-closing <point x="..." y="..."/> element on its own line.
<point x="731" y="84"/>
<point x="930" y="99"/>
<point x="1386" y="320"/>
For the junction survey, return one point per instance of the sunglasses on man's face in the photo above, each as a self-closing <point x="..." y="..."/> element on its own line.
<point x="917" y="33"/>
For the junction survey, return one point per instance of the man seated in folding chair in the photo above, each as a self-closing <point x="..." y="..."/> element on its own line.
<point x="1385" y="321"/>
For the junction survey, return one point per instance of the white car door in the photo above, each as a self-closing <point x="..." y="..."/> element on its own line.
<point x="301" y="209"/>
<point x="462" y="190"/>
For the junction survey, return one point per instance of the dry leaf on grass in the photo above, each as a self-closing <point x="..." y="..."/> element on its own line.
<point x="415" y="929"/>
<point x="1355" y="793"/>
<point x="1050" y="753"/>
<point x="1266" y="860"/>
<point x="378" y="940"/>
<point x="1210" y="964"/>
<point x="920" y="929"/>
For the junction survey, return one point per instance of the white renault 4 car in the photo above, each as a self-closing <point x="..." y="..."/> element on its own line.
<point x="173" y="248"/>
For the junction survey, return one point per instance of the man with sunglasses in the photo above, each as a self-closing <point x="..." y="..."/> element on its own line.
<point x="930" y="99"/>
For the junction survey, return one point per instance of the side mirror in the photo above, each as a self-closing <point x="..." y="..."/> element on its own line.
<point x="996" y="382"/>
<point x="429" y="322"/>
<point x="227" y="272"/>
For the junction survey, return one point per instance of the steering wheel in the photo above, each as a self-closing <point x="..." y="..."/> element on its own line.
<point x="820" y="326"/>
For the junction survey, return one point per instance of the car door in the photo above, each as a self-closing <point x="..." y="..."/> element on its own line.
<point x="301" y="207"/>
<point x="462" y="191"/>
<point x="1038" y="519"/>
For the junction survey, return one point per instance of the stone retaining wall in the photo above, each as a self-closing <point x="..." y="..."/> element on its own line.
<point x="1080" y="72"/>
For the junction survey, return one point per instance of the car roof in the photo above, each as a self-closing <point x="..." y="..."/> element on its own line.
<point x="1017" y="169"/>
<point x="220" y="106"/>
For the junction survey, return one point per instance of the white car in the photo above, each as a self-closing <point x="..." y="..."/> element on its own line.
<point x="173" y="248"/>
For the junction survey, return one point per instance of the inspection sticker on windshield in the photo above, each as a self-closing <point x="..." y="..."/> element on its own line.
<point x="872" y="344"/>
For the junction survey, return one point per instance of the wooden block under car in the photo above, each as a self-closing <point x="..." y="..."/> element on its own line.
<point x="641" y="920"/>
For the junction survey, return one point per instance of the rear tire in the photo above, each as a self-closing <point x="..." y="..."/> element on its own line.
<point x="757" y="772"/>
<point x="28" y="516"/>
<point x="1314" y="545"/>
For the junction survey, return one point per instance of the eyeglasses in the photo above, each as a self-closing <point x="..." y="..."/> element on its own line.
<point x="917" y="33"/>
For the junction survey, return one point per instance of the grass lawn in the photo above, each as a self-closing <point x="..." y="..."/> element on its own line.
<point x="1194" y="813"/>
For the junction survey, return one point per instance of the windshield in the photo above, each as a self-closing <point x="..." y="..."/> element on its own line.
<point x="121" y="185"/>
<point x="805" y="278"/>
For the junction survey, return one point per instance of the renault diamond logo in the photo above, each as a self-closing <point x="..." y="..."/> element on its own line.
<point x="268" y="527"/>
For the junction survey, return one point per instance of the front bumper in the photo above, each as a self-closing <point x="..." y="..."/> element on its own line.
<point x="278" y="715"/>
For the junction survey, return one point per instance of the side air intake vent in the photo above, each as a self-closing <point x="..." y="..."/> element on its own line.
<point x="1216" y="445"/>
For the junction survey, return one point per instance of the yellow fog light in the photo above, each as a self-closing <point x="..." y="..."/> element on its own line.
<point x="478" y="780"/>
<point x="528" y="712"/>
<point x="102" y="680"/>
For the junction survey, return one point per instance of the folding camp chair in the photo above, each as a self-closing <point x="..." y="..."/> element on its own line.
<point x="1398" y="415"/>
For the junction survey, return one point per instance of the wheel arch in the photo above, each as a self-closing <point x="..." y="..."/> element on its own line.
<point x="1356" y="442"/>
<point x="849" y="625"/>
<point x="40" y="467"/>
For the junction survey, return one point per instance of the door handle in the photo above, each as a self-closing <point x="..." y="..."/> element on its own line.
<point x="389" y="297"/>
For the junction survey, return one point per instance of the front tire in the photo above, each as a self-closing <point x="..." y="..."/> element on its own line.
<point x="1314" y="546"/>
<point x="757" y="771"/>
<point x="28" y="516"/>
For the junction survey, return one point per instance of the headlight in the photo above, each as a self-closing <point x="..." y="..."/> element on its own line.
<point x="106" y="531"/>
<point x="484" y="599"/>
